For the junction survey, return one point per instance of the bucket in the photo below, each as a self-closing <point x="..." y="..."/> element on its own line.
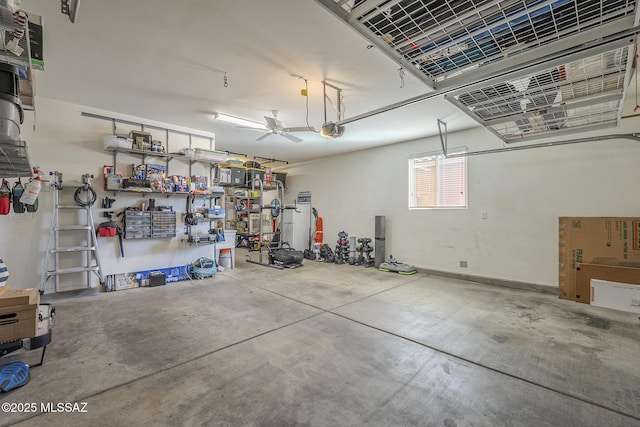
<point x="225" y="258"/>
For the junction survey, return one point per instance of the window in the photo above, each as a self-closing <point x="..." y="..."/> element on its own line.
<point x="438" y="182"/>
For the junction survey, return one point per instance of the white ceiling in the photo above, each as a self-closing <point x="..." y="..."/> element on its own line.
<point x="164" y="61"/>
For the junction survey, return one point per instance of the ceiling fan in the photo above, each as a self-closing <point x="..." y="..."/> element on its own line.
<point x="275" y="127"/>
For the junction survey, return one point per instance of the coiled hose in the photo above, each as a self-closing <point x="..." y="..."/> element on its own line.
<point x="84" y="203"/>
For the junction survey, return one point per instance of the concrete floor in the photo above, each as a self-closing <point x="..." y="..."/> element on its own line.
<point x="331" y="345"/>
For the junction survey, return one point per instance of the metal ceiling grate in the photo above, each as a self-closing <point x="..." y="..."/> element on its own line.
<point x="447" y="39"/>
<point x="577" y="95"/>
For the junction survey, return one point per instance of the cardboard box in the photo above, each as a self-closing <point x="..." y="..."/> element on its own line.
<point x="199" y="182"/>
<point x="125" y="281"/>
<point x="113" y="182"/>
<point x="171" y="274"/>
<point x="155" y="172"/>
<point x="595" y="240"/>
<point x="141" y="140"/>
<point x="618" y="296"/>
<point x="180" y="184"/>
<point x="138" y="171"/>
<point x="18" y="322"/>
<point x="16" y="297"/>
<point x="586" y="273"/>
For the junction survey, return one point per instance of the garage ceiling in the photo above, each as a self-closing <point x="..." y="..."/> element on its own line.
<point x="165" y="61"/>
<point x="560" y="82"/>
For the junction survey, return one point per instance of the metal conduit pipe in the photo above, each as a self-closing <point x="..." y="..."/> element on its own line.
<point x="631" y="136"/>
<point x="631" y="32"/>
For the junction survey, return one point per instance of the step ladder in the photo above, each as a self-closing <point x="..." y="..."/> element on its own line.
<point x="87" y="254"/>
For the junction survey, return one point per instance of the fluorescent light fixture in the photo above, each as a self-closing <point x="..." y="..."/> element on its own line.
<point x="238" y="121"/>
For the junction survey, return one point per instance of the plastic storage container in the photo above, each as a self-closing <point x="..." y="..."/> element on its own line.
<point x="225" y="258"/>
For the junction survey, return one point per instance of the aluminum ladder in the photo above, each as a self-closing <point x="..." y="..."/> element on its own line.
<point x="87" y="251"/>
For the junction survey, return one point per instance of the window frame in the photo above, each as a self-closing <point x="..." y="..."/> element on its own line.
<point x="438" y="158"/>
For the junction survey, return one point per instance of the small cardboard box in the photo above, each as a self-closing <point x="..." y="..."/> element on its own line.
<point x="614" y="295"/>
<point x="586" y="273"/>
<point x="155" y="172"/>
<point x="125" y="281"/>
<point x="138" y="171"/>
<point x="199" y="182"/>
<point x="113" y="182"/>
<point x="18" y="322"/>
<point x="141" y="140"/>
<point x="15" y="297"/>
<point x="595" y="240"/>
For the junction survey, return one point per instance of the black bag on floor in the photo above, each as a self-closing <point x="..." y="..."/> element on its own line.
<point x="285" y="256"/>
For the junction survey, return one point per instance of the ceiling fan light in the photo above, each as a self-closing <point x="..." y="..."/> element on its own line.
<point x="332" y="130"/>
<point x="238" y="121"/>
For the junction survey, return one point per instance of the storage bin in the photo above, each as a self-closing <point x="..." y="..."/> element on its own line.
<point x="237" y="174"/>
<point x="253" y="173"/>
<point x="225" y="258"/>
<point x="279" y="176"/>
<point x="117" y="141"/>
<point x="210" y="155"/>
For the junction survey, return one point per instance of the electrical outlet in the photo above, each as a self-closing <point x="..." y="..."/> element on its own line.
<point x="463" y="264"/>
<point x="484" y="215"/>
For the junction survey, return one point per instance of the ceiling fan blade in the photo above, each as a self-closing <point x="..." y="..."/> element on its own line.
<point x="262" y="129"/>
<point x="260" y="138"/>
<point x="300" y="129"/>
<point x="271" y="123"/>
<point x="291" y="137"/>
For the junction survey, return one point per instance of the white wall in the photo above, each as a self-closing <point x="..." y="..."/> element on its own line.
<point x="67" y="142"/>
<point x="523" y="193"/>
